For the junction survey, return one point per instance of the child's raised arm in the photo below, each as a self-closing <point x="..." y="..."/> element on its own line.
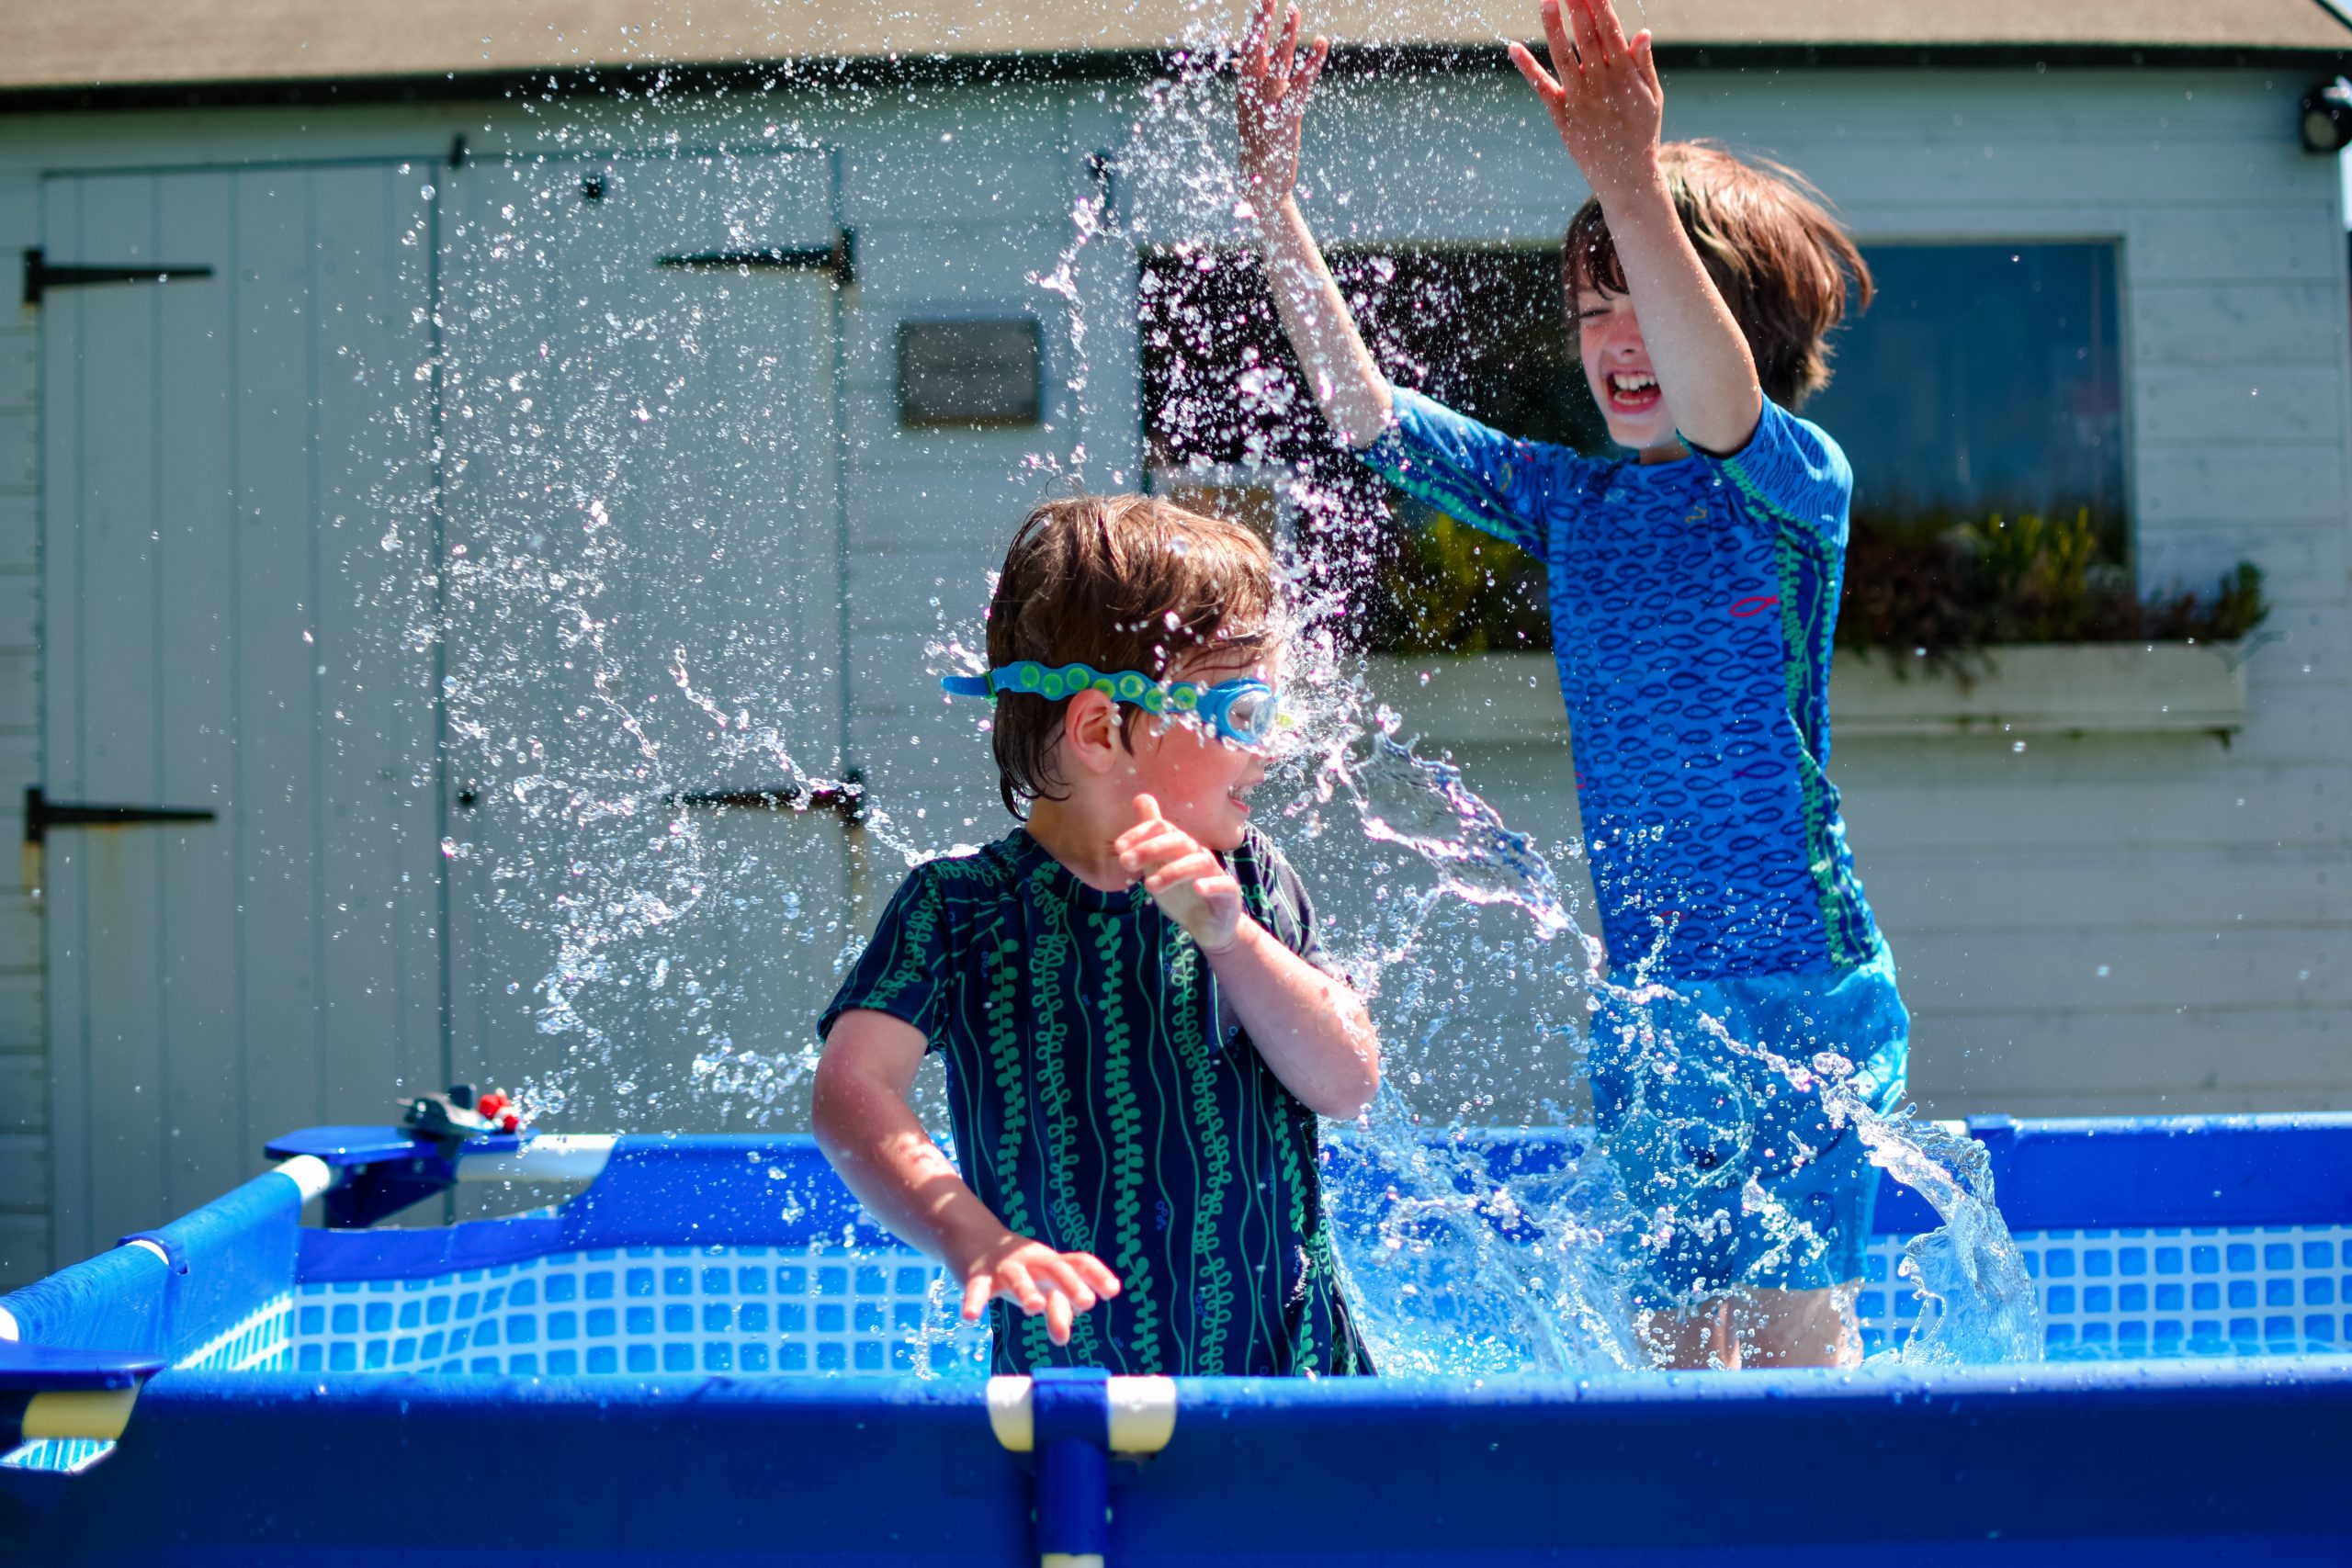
<point x="1275" y="82"/>
<point x="864" y="1124"/>
<point x="1602" y="93"/>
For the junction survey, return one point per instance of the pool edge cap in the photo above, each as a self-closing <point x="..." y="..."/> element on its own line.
<point x="100" y="1413"/>
<point x="1143" y="1413"/>
<point x="1010" y="1414"/>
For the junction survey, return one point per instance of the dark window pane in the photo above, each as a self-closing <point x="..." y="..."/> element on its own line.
<point x="1984" y="378"/>
<point x="1482" y="330"/>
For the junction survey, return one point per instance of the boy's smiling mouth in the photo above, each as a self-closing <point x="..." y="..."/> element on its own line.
<point x="1633" y="391"/>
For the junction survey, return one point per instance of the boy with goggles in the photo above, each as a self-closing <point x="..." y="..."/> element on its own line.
<point x="1126" y="988"/>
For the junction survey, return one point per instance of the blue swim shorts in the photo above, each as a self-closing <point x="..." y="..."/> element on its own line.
<point x="1738" y="1177"/>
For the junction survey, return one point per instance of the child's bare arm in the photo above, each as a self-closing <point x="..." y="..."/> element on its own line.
<point x="1602" y="93"/>
<point x="1311" y="1029"/>
<point x="865" y="1128"/>
<point x="1275" y="81"/>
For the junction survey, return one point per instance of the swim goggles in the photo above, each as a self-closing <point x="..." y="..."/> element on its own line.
<point x="1244" y="712"/>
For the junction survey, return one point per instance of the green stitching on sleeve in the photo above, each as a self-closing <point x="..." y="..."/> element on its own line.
<point x="1821" y="860"/>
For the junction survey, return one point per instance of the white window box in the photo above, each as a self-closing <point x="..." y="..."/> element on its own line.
<point x="2026" y="689"/>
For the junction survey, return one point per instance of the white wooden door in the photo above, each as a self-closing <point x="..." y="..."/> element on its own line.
<point x="644" y="588"/>
<point x="223" y="456"/>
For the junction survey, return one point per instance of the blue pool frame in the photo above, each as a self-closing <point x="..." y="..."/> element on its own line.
<point x="2178" y="1460"/>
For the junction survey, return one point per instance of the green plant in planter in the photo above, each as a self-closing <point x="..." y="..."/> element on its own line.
<point x="1926" y="582"/>
<point x="1932" y="585"/>
<point x="1447" y="588"/>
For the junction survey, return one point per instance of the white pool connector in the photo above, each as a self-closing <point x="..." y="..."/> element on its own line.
<point x="96" y="1413"/>
<point x="1143" y="1413"/>
<point x="1010" y="1417"/>
<point x="8" y="1330"/>
<point x="549" y="1157"/>
<point x="311" y="1176"/>
<point x="1073" y="1419"/>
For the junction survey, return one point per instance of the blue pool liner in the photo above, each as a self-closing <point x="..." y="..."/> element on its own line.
<point x="233" y="1452"/>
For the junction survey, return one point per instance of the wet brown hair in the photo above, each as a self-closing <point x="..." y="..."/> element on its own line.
<point x="1780" y="260"/>
<point x="1119" y="583"/>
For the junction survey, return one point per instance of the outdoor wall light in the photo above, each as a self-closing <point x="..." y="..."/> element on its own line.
<point x="2326" y="112"/>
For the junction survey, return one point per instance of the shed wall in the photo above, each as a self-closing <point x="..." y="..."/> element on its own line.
<point x="2112" y="923"/>
<point x="24" y="1097"/>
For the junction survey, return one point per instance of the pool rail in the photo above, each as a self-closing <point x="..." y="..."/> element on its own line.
<point x="162" y="1381"/>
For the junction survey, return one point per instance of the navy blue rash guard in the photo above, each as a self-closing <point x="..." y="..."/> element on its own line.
<point x="1104" y="1101"/>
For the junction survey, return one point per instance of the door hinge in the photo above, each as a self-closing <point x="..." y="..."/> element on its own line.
<point x="837" y="261"/>
<point x="845" y="800"/>
<point x="41" y="814"/>
<point x="41" y="276"/>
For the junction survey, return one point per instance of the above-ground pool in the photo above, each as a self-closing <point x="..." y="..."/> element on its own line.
<point x="708" y="1354"/>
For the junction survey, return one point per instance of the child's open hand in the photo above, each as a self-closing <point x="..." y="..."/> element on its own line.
<point x="1036" y="1278"/>
<point x="1275" y="81"/>
<point x="1601" y="91"/>
<point x="1191" y="885"/>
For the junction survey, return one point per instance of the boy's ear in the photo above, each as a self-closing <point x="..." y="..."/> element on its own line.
<point x="1090" y="732"/>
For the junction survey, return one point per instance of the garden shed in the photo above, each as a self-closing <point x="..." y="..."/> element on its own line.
<point x="269" y="264"/>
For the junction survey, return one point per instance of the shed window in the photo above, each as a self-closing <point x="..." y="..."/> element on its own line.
<point x="1985" y="379"/>
<point x="1230" y="423"/>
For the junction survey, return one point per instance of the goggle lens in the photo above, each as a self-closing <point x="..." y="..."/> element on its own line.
<point x="1250" y="716"/>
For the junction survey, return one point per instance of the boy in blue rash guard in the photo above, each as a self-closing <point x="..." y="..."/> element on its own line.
<point x="1126" y="988"/>
<point x="1693" y="589"/>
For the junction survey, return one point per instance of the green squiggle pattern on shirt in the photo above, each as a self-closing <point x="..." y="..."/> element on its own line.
<point x="1099" y="1104"/>
<point x="1213" y="1299"/>
<point x="1129" y="1262"/>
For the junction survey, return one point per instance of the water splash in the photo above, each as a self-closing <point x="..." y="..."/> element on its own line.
<point x="1424" y="806"/>
<point x="1977" y="1303"/>
<point x="654" y="936"/>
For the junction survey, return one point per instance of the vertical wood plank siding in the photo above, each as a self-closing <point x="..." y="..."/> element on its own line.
<point x="2111" y="923"/>
<point x="23" y="1102"/>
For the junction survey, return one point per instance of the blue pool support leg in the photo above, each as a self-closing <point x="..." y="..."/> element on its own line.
<point x="1071" y="1412"/>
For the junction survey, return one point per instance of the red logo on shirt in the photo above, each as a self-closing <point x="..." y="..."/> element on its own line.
<point x="1754" y="604"/>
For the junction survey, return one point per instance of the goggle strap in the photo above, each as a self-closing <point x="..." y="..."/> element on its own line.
<point x="1209" y="705"/>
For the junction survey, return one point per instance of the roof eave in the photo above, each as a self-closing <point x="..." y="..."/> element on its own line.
<point x="1124" y="63"/>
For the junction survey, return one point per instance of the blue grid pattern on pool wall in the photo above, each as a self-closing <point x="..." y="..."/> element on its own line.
<point x="260" y="1341"/>
<point x="2106" y="1294"/>
<point x="263" y="1340"/>
<point x="2158" y="1292"/>
<point x="749" y="1311"/>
